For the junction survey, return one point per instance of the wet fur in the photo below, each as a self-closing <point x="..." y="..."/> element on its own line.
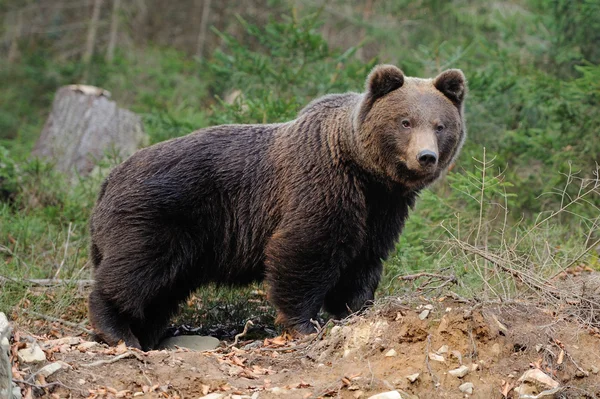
<point x="311" y="206"/>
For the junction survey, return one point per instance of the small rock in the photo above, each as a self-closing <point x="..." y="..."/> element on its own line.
<point x="4" y="343"/>
<point x="443" y="350"/>
<point x="253" y="345"/>
<point x="358" y="394"/>
<point x="448" y="310"/>
<point x="81" y="381"/>
<point x="428" y="307"/>
<point x="49" y="369"/>
<point x="279" y="391"/>
<point x="4" y="326"/>
<point x="467" y="387"/>
<point x="192" y="342"/>
<point x="530" y="391"/>
<point x="87" y="345"/>
<point x="335" y="330"/>
<point x="436" y="357"/>
<point x="423" y="315"/>
<point x="581" y="374"/>
<point x="413" y="377"/>
<point x="496" y="349"/>
<point x="594" y="370"/>
<point x="391" y="353"/>
<point x="459" y="372"/>
<point x="536" y="377"/>
<point x="213" y="395"/>
<point x="387" y="395"/>
<point x="406" y="395"/>
<point x="16" y="393"/>
<point x="354" y="388"/>
<point x="474" y="367"/>
<point x="32" y="354"/>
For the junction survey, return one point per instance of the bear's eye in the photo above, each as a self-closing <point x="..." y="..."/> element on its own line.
<point x="439" y="128"/>
<point x="405" y="123"/>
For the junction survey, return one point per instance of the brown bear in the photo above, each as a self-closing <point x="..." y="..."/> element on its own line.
<point x="311" y="206"/>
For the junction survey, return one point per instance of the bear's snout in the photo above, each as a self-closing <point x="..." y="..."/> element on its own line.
<point x="427" y="158"/>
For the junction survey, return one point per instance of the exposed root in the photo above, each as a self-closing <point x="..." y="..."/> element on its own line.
<point x="113" y="360"/>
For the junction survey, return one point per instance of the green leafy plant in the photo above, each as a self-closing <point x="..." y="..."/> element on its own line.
<point x="288" y="65"/>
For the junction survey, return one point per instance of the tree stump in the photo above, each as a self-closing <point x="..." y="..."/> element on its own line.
<point x="84" y="126"/>
<point x="6" y="385"/>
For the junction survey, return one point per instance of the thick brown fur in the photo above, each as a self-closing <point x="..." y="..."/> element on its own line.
<point x="312" y="206"/>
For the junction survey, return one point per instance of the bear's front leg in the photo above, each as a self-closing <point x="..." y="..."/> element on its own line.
<point x="355" y="289"/>
<point x="301" y="267"/>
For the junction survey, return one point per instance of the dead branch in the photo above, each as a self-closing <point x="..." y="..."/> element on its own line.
<point x="57" y="320"/>
<point x="411" y="277"/>
<point x="113" y="360"/>
<point x="46" y="385"/>
<point x="48" y="282"/>
<point x="562" y="347"/>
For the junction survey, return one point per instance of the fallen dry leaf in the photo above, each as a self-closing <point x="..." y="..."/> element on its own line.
<point x="506" y="388"/>
<point x="303" y="385"/>
<point x="561" y="357"/>
<point x="537" y="364"/>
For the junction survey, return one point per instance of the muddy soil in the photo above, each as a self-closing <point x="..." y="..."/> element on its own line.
<point x="364" y="356"/>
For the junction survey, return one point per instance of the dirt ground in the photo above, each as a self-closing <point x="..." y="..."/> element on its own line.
<point x="364" y="356"/>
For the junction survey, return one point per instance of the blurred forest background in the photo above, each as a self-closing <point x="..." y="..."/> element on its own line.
<point x="519" y="207"/>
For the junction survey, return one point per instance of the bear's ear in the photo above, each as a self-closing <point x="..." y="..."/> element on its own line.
<point x="453" y="84"/>
<point x="384" y="79"/>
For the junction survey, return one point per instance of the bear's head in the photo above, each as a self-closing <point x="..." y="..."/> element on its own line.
<point x="409" y="130"/>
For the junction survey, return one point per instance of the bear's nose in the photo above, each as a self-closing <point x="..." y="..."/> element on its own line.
<point x="427" y="158"/>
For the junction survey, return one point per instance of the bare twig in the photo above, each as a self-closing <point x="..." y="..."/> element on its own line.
<point x="562" y="347"/>
<point x="473" y="354"/>
<point x="62" y="263"/>
<point x="411" y="277"/>
<point x="57" y="320"/>
<point x="584" y="191"/>
<point x="243" y="333"/>
<point x="46" y="385"/>
<point x="429" y="370"/>
<point x="574" y="261"/>
<point x="113" y="360"/>
<point x="11" y="253"/>
<point x="316" y="324"/>
<point x="48" y="282"/>
<point x="305" y="343"/>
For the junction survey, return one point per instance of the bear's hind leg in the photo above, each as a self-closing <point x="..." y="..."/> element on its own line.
<point x="109" y="324"/>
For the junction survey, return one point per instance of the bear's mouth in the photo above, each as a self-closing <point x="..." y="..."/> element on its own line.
<point x="414" y="178"/>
